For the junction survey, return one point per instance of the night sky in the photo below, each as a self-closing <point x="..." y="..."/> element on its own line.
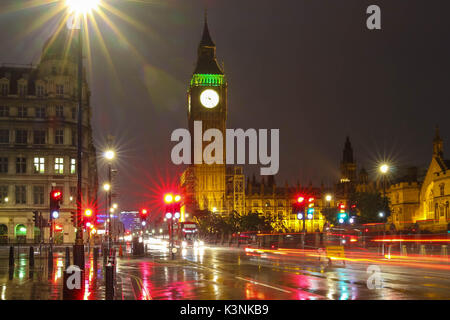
<point x="309" y="68"/>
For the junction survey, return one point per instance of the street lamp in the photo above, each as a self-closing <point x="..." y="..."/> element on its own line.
<point x="109" y="156"/>
<point x="384" y="169"/>
<point x="328" y="197"/>
<point x="79" y="9"/>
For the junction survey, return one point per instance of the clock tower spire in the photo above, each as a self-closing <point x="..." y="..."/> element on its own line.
<point x="207" y="102"/>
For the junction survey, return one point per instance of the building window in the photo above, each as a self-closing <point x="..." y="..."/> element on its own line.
<point x="39" y="137"/>
<point x="442" y="188"/>
<point x="4" y="136"/>
<point x="4" y="89"/>
<point x="59" y="165"/>
<point x="39" y="165"/>
<point x="40" y="112"/>
<point x="3" y="165"/>
<point x="21" y="136"/>
<point x="59" y="89"/>
<point x="22" y="90"/>
<point x="40" y="91"/>
<point x="22" y="112"/>
<point x="59" y="111"/>
<point x="38" y="194"/>
<point x="21" y="165"/>
<point x="4" y="111"/>
<point x="73" y="166"/>
<point x="74" y="113"/>
<point x="3" y="194"/>
<point x="21" y="195"/>
<point x="59" y="136"/>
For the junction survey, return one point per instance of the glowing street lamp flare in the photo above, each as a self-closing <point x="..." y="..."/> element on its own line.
<point x="328" y="197"/>
<point x="384" y="168"/>
<point x="82" y="6"/>
<point x="109" y="154"/>
<point x="106" y="187"/>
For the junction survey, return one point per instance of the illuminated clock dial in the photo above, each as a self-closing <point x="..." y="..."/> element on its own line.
<point x="209" y="98"/>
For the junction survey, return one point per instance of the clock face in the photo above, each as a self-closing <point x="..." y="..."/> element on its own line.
<point x="209" y="98"/>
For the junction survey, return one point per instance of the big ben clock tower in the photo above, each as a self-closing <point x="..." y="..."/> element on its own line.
<point x="207" y="102"/>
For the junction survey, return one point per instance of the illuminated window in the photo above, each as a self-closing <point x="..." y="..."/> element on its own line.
<point x="39" y="165"/>
<point x="73" y="166"/>
<point x="59" y="165"/>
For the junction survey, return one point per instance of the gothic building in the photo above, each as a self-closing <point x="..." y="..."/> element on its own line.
<point x="221" y="188"/>
<point x="423" y="203"/>
<point x="38" y="142"/>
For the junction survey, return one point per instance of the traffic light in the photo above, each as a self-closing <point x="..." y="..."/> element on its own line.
<point x="88" y="215"/>
<point x="73" y="218"/>
<point x="143" y="214"/>
<point x="342" y="215"/>
<point x="173" y="206"/>
<point x="36" y="218"/>
<point x="55" y="199"/>
<point x="177" y="206"/>
<point x="310" y="210"/>
<point x="298" y="207"/>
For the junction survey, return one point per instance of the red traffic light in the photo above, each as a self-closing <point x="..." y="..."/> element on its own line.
<point x="342" y="206"/>
<point x="311" y="199"/>
<point x="56" y="195"/>
<point x="144" y="212"/>
<point x="300" y="199"/>
<point x="88" y="212"/>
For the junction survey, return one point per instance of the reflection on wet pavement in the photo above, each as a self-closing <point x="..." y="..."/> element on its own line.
<point x="223" y="273"/>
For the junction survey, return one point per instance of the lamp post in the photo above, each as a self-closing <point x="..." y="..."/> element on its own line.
<point x="109" y="156"/>
<point x="79" y="9"/>
<point x="384" y="169"/>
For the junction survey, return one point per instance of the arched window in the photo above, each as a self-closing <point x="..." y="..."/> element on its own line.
<point x="436" y="212"/>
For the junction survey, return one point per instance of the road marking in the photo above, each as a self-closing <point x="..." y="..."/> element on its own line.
<point x="263" y="284"/>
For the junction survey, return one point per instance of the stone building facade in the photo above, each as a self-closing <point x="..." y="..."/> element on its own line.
<point x="38" y="142"/>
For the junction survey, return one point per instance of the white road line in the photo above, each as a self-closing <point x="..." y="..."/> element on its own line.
<point x="263" y="284"/>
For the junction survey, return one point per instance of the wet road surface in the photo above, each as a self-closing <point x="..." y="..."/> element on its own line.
<point x="222" y="273"/>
